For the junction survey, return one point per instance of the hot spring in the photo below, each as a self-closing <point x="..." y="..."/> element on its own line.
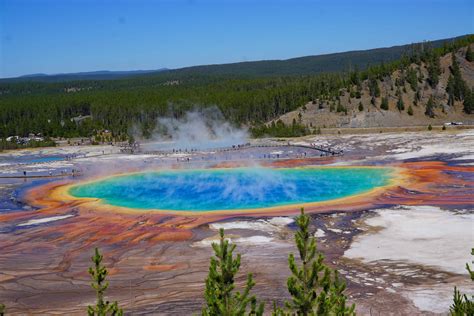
<point x="201" y="190"/>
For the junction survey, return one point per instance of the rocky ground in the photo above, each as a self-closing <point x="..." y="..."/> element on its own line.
<point x="397" y="259"/>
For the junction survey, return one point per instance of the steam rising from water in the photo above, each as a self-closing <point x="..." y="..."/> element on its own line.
<point x="203" y="129"/>
<point x="227" y="189"/>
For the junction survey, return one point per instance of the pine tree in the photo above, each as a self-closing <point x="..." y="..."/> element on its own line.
<point x="355" y="77"/>
<point x="400" y="104"/>
<point x="434" y="70"/>
<point x="2" y="309"/>
<point x="372" y="101"/>
<point x="410" y="110"/>
<point x="462" y="305"/>
<point x="384" y="105"/>
<point x="98" y="273"/>
<point x="469" y="102"/>
<point x="313" y="289"/>
<point x="361" y="107"/>
<point x="219" y="295"/>
<point x="374" y="88"/>
<point x="412" y="78"/>
<point x="450" y="90"/>
<point x="429" y="111"/>
<point x="469" y="54"/>
<point x="457" y="87"/>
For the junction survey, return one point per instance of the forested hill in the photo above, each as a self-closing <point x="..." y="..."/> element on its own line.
<point x="308" y="65"/>
<point x="85" y="108"/>
<point x="311" y="65"/>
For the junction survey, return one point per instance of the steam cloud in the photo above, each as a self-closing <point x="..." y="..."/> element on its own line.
<point x="203" y="129"/>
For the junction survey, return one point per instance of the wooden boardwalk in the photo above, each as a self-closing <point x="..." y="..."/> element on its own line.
<point x="327" y="151"/>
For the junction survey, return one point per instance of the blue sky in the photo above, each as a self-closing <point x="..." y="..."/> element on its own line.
<point x="55" y="36"/>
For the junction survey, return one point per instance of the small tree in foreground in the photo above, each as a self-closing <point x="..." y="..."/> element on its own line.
<point x="315" y="289"/>
<point x="462" y="306"/>
<point x="219" y="293"/>
<point x="98" y="273"/>
<point x="2" y="309"/>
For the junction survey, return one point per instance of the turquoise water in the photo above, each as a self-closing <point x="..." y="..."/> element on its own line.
<point x="228" y="189"/>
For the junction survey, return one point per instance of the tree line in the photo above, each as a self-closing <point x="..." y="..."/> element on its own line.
<point x="84" y="108"/>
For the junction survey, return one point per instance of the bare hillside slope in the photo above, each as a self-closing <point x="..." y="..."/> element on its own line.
<point x="365" y="111"/>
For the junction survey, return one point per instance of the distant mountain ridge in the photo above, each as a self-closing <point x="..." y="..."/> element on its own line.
<point x="86" y="75"/>
<point x="307" y="65"/>
<point x="311" y="65"/>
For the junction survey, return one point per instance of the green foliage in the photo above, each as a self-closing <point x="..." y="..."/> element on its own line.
<point x="120" y="104"/>
<point x="462" y="305"/>
<point x="249" y="93"/>
<point x="400" y="104"/>
<point x="219" y="294"/>
<point x="2" y="309"/>
<point x="469" y="102"/>
<point x="430" y="127"/>
<point x="434" y="70"/>
<point x="384" y="105"/>
<point x="450" y="90"/>
<point x="341" y="108"/>
<point x="410" y="110"/>
<point x="280" y="129"/>
<point x="412" y="78"/>
<point x="373" y="101"/>
<point x="361" y="107"/>
<point x="429" y="111"/>
<point x="469" y="54"/>
<point x="418" y="95"/>
<point x="99" y="273"/>
<point x="457" y="87"/>
<point x="374" y="88"/>
<point x="5" y="145"/>
<point x="314" y="288"/>
<point x="354" y="77"/>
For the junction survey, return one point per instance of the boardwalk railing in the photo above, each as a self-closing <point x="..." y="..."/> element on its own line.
<point x="328" y="151"/>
